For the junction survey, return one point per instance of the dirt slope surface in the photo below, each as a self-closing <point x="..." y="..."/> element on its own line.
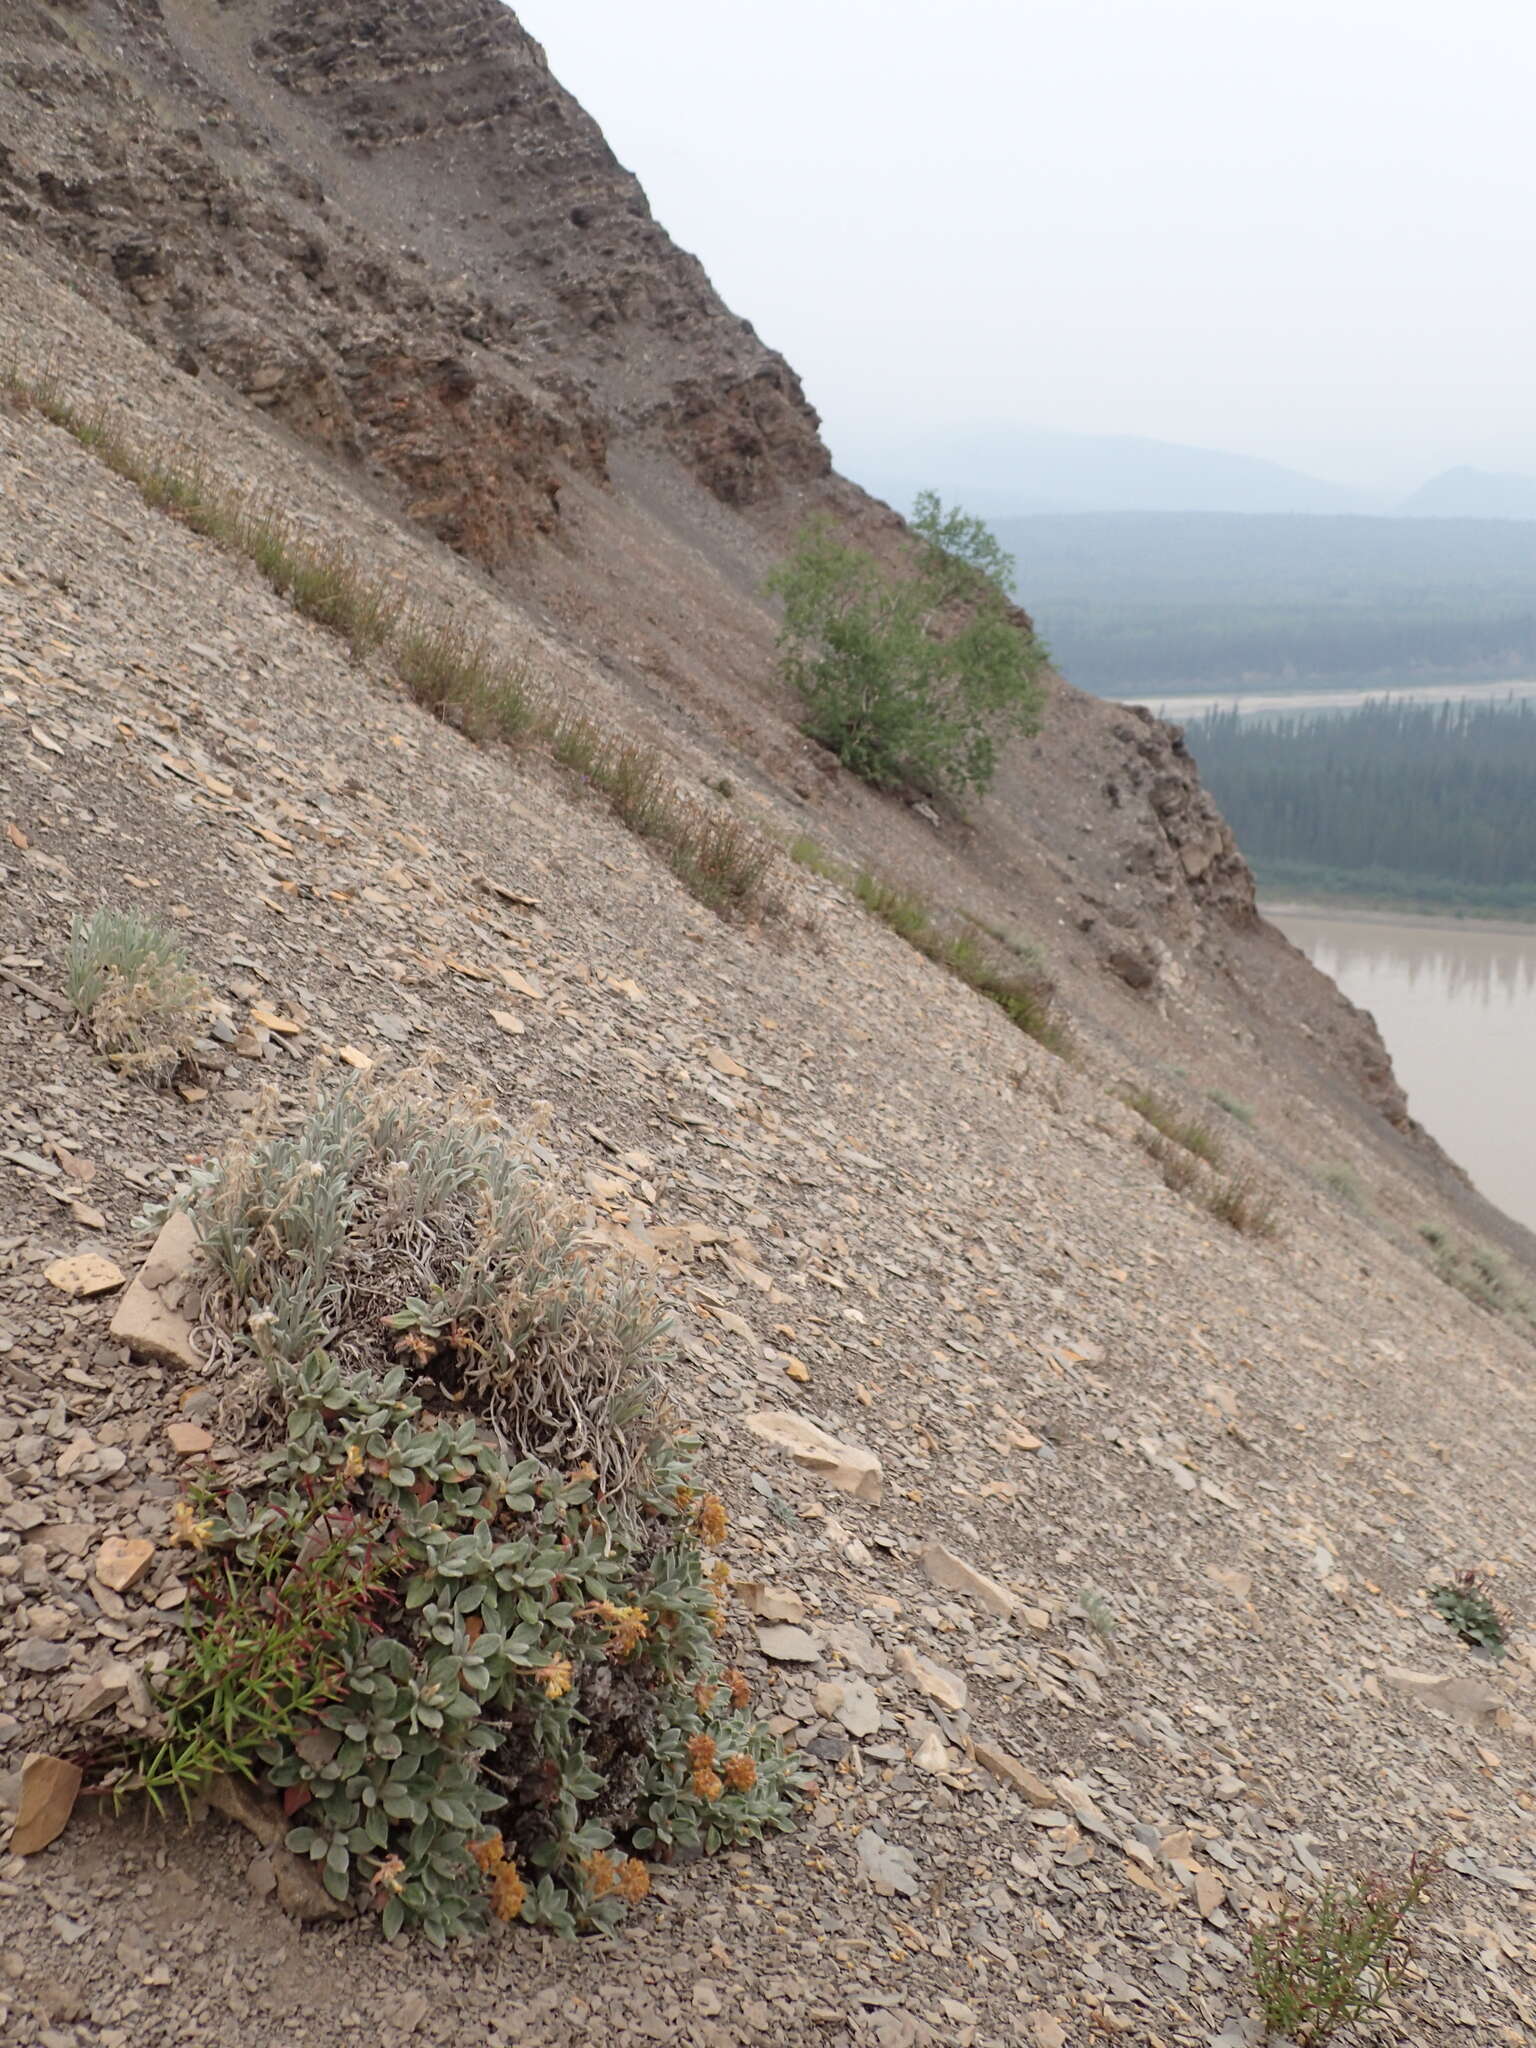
<point x="1245" y="1460"/>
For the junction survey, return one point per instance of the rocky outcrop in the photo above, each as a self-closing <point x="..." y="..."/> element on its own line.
<point x="476" y="400"/>
<point x="1186" y="840"/>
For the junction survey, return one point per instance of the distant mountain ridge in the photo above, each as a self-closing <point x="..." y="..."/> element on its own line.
<point x="1001" y="470"/>
<point x="1467" y="493"/>
<point x="1008" y="471"/>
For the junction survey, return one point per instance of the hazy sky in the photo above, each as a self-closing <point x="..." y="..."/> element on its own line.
<point x="1304" y="229"/>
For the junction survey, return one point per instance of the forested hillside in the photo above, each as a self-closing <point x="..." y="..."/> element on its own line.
<point x="1428" y="803"/>
<point x="1136" y="604"/>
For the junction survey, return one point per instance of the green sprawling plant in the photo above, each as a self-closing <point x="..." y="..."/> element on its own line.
<point x="1466" y="1604"/>
<point x="141" y="1002"/>
<point x="464" y="1619"/>
<point x="914" y="680"/>
<point x="1338" y="1958"/>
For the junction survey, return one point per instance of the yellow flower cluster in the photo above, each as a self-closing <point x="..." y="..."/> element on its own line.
<point x="556" y="1677"/>
<point x="507" y="1888"/>
<point x="627" y="1626"/>
<point x="187" y="1528"/>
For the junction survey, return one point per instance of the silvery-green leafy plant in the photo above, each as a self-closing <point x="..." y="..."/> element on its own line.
<point x="469" y="1639"/>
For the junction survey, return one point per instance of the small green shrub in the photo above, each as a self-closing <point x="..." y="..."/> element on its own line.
<point x="141" y="1002"/>
<point x="464" y="1620"/>
<point x="1339" y="1958"/>
<point x="914" y="680"/>
<point x="1467" y="1605"/>
<point x="1231" y="1105"/>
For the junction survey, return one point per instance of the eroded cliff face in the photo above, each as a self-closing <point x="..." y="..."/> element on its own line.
<point x="395" y="231"/>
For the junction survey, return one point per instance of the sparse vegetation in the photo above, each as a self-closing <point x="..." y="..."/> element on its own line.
<point x="1343" y="1183"/>
<point x="1231" y="1105"/>
<point x="142" y="1004"/>
<point x="1097" y="1612"/>
<point x="1478" y="1273"/>
<point x="1245" y="1202"/>
<point x="1024" y="995"/>
<point x="458" y="676"/>
<point x="1192" y="1134"/>
<point x="1193" y="1161"/>
<point x="807" y="852"/>
<point x="1180" y="1169"/>
<point x="914" y="680"/>
<point x="1466" y="1604"/>
<point x="443" y="666"/>
<point x="1339" y="1958"/>
<point x="720" y="860"/>
<point x="465" y="1620"/>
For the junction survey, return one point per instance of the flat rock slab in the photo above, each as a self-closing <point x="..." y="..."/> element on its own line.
<point x="788" y="1645"/>
<point x="1464" y="1699"/>
<point x="848" y="1467"/>
<point x="151" y="1318"/>
<point x="49" y="1788"/>
<point x="888" y="1866"/>
<point x="123" y="1560"/>
<point x="939" y="1683"/>
<point x="956" y="1576"/>
<point x="86" y="1274"/>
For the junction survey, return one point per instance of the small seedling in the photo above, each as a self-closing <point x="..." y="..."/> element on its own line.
<point x="1337" y="1959"/>
<point x="1467" y="1606"/>
<point x="1097" y="1612"/>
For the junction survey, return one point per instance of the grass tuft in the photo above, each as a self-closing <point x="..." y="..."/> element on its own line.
<point x="1478" y="1273"/>
<point x="1025" y="994"/>
<point x="458" y="677"/>
<point x="1247" y="1203"/>
<point x="1192" y="1133"/>
<point x="807" y="852"/>
<point x="143" y="1005"/>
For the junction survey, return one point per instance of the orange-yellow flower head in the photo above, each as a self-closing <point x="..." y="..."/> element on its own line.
<point x="507" y="1892"/>
<point x="556" y="1677"/>
<point x="739" y="1772"/>
<point x="188" y="1528"/>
